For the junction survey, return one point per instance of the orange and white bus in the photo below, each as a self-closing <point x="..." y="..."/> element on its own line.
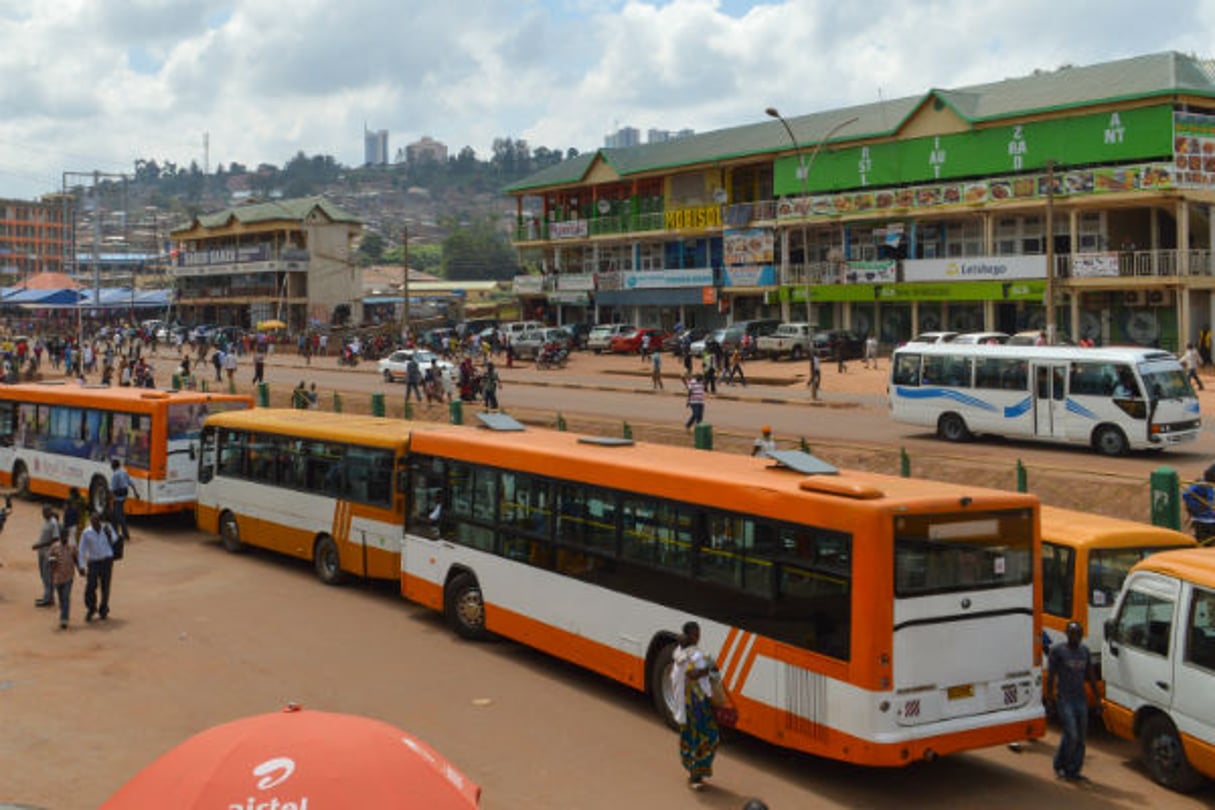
<point x="317" y="486"/>
<point x="867" y="618"/>
<point x="57" y="435"/>
<point x="1085" y="560"/>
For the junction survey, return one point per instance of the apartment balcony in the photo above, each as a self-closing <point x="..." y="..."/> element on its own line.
<point x="293" y="262"/>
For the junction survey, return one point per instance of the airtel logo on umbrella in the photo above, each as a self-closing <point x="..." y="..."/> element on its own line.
<point x="271" y="774"/>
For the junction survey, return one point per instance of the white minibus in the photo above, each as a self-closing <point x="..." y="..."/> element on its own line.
<point x="1114" y="399"/>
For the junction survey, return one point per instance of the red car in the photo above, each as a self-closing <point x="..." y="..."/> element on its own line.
<point x="630" y="342"/>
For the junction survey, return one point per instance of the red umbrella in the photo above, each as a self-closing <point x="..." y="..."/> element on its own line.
<point x="299" y="760"/>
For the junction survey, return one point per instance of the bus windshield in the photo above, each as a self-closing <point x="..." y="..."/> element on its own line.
<point x="186" y="418"/>
<point x="1165" y="381"/>
<point x="962" y="552"/>
<point x="1107" y="570"/>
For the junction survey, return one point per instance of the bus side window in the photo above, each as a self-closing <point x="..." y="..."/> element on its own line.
<point x="907" y="370"/>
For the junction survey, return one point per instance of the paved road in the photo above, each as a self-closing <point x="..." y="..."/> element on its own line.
<point x="199" y="637"/>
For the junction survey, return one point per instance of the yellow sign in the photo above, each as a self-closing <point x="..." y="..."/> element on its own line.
<point x="707" y="216"/>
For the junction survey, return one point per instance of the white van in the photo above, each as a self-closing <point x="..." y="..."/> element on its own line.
<point x="1158" y="663"/>
<point x="515" y="329"/>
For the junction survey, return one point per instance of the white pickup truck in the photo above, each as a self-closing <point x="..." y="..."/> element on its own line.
<point x="789" y="339"/>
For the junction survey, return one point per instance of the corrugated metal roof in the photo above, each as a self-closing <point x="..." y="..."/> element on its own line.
<point x="1068" y="87"/>
<point x="294" y="210"/>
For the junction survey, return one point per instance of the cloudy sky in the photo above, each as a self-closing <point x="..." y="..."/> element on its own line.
<point x="94" y="84"/>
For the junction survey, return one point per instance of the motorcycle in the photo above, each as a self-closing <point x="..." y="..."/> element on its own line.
<point x="348" y="358"/>
<point x="552" y="357"/>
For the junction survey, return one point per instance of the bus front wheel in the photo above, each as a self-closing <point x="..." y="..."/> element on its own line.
<point x="327" y="561"/>
<point x="99" y="495"/>
<point x="21" y="479"/>
<point x="465" y="607"/>
<point x="1110" y="441"/>
<point x="229" y="533"/>
<point x="952" y="428"/>
<point x="666" y="702"/>
<point x="1165" y="757"/>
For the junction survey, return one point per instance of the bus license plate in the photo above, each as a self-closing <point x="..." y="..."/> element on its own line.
<point x="961" y="692"/>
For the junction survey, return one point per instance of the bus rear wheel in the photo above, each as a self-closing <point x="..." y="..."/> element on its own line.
<point x="1165" y="758"/>
<point x="229" y="533"/>
<point x="952" y="428"/>
<point x="465" y="608"/>
<point x="666" y="702"/>
<point x="327" y="561"/>
<point x="21" y="479"/>
<point x="99" y="495"/>
<point x="1110" y="441"/>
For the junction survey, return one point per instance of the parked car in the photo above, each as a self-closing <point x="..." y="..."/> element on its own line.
<point x="528" y="345"/>
<point x="580" y="331"/>
<point x="980" y="338"/>
<point x="1030" y="338"/>
<point x="393" y="367"/>
<point x="790" y="339"/>
<point x="202" y="332"/>
<point x="630" y="342"/>
<point x="675" y="343"/>
<point x="600" y="337"/>
<point x="755" y="329"/>
<point x="933" y="337"/>
<point x="716" y="336"/>
<point x="515" y="329"/>
<point x="853" y="345"/>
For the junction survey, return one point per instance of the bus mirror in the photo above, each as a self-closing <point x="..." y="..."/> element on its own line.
<point x="193" y="452"/>
<point x="1108" y="630"/>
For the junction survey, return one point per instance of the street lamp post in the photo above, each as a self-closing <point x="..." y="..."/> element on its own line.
<point x="803" y="173"/>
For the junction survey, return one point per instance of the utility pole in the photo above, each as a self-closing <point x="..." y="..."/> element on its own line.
<point x="405" y="283"/>
<point x="1050" y="253"/>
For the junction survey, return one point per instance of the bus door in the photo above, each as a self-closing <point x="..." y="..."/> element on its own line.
<point x="1050" y="399"/>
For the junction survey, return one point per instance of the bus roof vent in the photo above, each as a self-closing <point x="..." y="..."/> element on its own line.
<point x="803" y="463"/>
<point x="605" y="441"/>
<point x="500" y="421"/>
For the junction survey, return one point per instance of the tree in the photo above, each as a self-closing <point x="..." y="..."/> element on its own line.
<point x="477" y="251"/>
<point x="371" y="249"/>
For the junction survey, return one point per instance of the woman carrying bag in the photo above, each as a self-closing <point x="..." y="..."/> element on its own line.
<point x="699" y="735"/>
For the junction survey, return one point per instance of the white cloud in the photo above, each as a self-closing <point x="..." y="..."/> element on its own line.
<point x="98" y="83"/>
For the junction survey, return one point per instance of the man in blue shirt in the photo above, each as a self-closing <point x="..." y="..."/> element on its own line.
<point x="95" y="560"/>
<point x="1199" y="498"/>
<point x="1070" y="667"/>
<point x="120" y="488"/>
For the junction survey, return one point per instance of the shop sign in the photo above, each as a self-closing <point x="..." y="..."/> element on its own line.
<point x="609" y="281"/>
<point x="576" y="281"/>
<point x="822" y="293"/>
<point x="750" y="276"/>
<point x="1070" y="183"/>
<point x="1194" y="150"/>
<point x="1090" y="265"/>
<point x="658" y="279"/>
<point x="884" y="272"/>
<point x="979" y="268"/>
<point x="750" y="246"/>
<point x="528" y="285"/>
<point x="578" y="299"/>
<point x="572" y="229"/>
<point x="705" y="216"/>
<point x="224" y="255"/>
<point x="1097" y="138"/>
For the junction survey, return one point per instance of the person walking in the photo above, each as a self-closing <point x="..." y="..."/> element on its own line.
<point x="871" y="351"/>
<point x="299" y="397"/>
<point x="47" y="538"/>
<point x="230" y="367"/>
<point x="491" y="383"/>
<point x="765" y="445"/>
<point x="95" y="561"/>
<point x="816" y="374"/>
<point x="259" y="366"/>
<point x="734" y="368"/>
<point x="120" y="487"/>
<point x="1190" y="361"/>
<point x="1199" y="499"/>
<point x="217" y="360"/>
<point x="696" y="401"/>
<point x="699" y="735"/>
<point x="1069" y="668"/>
<point x="413" y="378"/>
<point x="656" y="370"/>
<point x="62" y="554"/>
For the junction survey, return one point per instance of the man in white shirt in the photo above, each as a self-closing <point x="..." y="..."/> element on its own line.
<point x="95" y="560"/>
<point x="765" y="445"/>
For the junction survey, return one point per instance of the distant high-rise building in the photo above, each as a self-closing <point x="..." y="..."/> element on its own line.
<point x="683" y="133"/>
<point x="625" y="136"/>
<point x="375" y="147"/>
<point x="426" y="148"/>
<point x="658" y="136"/>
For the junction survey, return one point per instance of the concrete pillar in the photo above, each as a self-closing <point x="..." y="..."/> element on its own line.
<point x="1073" y="329"/>
<point x="1183" y="238"/>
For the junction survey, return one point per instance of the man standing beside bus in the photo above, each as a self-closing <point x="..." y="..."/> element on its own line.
<point x="1069" y="668"/>
<point x="120" y="488"/>
<point x="95" y="560"/>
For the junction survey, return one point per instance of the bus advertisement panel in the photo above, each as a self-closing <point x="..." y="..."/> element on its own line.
<point x="57" y="435"/>
<point x="1114" y="400"/>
